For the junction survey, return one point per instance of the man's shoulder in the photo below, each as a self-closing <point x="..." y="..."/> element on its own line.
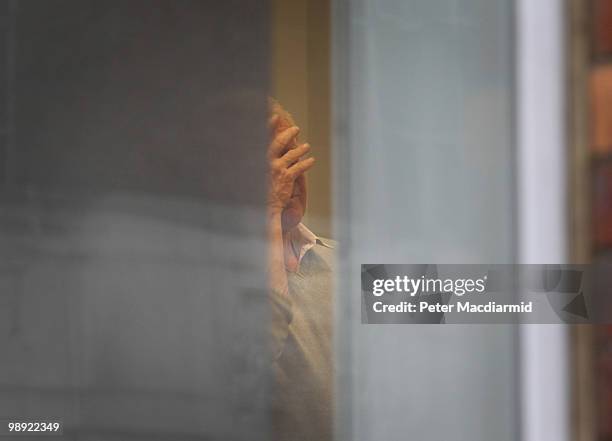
<point x="326" y="249"/>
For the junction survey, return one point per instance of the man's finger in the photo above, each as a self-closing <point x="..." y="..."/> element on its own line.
<point x="301" y="167"/>
<point x="294" y="154"/>
<point x="280" y="142"/>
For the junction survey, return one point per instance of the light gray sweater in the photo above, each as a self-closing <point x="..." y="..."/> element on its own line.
<point x="302" y="345"/>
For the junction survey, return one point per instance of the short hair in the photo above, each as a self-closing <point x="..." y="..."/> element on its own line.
<point x="276" y="108"/>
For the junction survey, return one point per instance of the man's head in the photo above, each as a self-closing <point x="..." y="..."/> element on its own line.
<point x="295" y="209"/>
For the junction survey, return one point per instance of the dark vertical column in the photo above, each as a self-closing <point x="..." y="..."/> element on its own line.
<point x="7" y="77"/>
<point x="132" y="289"/>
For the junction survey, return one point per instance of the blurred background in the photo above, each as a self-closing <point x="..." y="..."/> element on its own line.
<point x="132" y="289"/>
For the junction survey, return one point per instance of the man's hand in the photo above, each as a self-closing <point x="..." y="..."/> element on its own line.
<point x="285" y="166"/>
<point x="286" y="175"/>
